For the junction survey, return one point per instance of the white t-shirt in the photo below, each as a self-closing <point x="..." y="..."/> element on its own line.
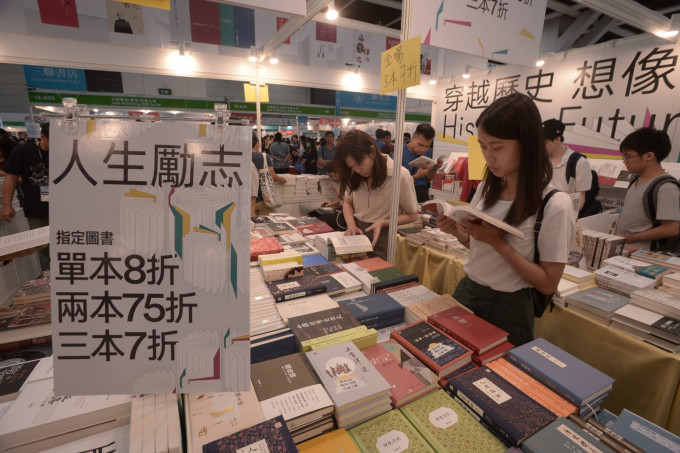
<point x="373" y="205"/>
<point x="633" y="218"/>
<point x="485" y="266"/>
<point x="583" y="177"/>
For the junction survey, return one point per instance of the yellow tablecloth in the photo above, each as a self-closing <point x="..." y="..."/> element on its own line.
<point x="647" y="378"/>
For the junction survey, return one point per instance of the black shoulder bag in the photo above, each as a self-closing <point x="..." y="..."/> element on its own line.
<point x="540" y="300"/>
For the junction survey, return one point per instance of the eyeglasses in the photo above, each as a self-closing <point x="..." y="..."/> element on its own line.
<point x="626" y="157"/>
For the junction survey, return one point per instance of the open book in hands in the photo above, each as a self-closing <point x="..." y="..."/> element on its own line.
<point x="470" y="214"/>
<point x="423" y="162"/>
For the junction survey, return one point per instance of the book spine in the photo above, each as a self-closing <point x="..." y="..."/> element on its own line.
<point x="616" y="436"/>
<point x="545" y="380"/>
<point x="602" y="436"/>
<point x="298" y="294"/>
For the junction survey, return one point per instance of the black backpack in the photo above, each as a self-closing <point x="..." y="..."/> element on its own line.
<point x="592" y="205"/>
<point x="649" y="198"/>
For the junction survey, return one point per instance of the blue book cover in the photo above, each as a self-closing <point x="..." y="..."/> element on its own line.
<point x="606" y="418"/>
<point x="598" y="301"/>
<point x="312" y="260"/>
<point x="371" y="308"/>
<point x="271" y="435"/>
<point x="564" y="436"/>
<point x="510" y="411"/>
<point x="560" y="371"/>
<point x="645" y="434"/>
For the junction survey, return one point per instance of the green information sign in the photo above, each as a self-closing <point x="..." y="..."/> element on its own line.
<point x="282" y="108"/>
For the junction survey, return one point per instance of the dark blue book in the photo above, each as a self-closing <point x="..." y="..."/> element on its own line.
<point x="375" y="310"/>
<point x="272" y="346"/>
<point x="271" y="435"/>
<point x="568" y="376"/>
<point x="508" y="410"/>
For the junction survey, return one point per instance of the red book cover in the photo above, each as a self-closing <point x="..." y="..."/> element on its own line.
<point x="205" y="21"/>
<point x="458" y="165"/>
<point x="373" y="264"/>
<point x="264" y="246"/>
<point x="314" y="228"/>
<point x="468" y="328"/>
<point x="492" y="354"/>
<point x="408" y="377"/>
<point x="58" y="12"/>
<point x="441" y="353"/>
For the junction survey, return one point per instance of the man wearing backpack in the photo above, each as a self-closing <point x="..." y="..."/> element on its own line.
<point x="571" y="170"/>
<point x="650" y="218"/>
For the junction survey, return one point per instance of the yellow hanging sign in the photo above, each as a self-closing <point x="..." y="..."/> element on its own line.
<point x="251" y="95"/>
<point x="400" y="66"/>
<point x="476" y="161"/>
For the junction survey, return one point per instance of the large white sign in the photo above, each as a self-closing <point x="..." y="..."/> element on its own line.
<point x="601" y="94"/>
<point x="150" y="257"/>
<point x="507" y="31"/>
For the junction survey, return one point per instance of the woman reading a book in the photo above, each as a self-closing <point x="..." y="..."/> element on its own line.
<point x="365" y="176"/>
<point x="500" y="267"/>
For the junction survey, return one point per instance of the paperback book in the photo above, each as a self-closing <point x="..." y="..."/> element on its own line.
<point x="295" y="288"/>
<point x="270" y="435"/>
<point x="469" y="214"/>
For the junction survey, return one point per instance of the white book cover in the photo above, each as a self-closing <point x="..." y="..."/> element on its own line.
<point x="576" y="274"/>
<point x="296" y="403"/>
<point x="165" y="208"/>
<point x="658" y="301"/>
<point x="470" y="214"/>
<point x="344" y="245"/>
<point x="305" y="305"/>
<point x="114" y="440"/>
<point x="622" y="278"/>
<point x="24" y="240"/>
<point x="423" y="162"/>
<point x="40" y="414"/>
<point x="628" y="264"/>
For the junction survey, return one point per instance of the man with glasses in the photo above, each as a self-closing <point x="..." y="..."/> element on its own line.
<point x="647" y="226"/>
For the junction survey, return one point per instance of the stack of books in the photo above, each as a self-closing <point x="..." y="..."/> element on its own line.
<point x="421" y="310"/>
<point x="291" y="239"/>
<point x="486" y="341"/>
<point x="447" y="426"/>
<point x="654" y="328"/>
<point x="38" y="419"/>
<point x="597" y="304"/>
<point x="657" y="301"/>
<point x="409" y="294"/>
<point x="321" y="323"/>
<point x="565" y="288"/>
<point x="304" y="305"/>
<point x="270" y="435"/>
<point x="441" y="353"/>
<point x="600" y="246"/>
<point x="505" y="410"/>
<point x="644" y="434"/>
<point x="621" y="281"/>
<point x="552" y="439"/>
<point x="670" y="283"/>
<point x="584" y="279"/>
<point x="154" y="424"/>
<point x="334" y="278"/>
<point x="337" y="440"/>
<point x="281" y="271"/>
<point x="667" y="260"/>
<point x="295" y="288"/>
<point x="361" y="336"/>
<point x="288" y="387"/>
<point x="264" y="246"/>
<point x="285" y="256"/>
<point x="212" y="416"/>
<point x="276" y="228"/>
<point x="300" y="186"/>
<point x="32" y="291"/>
<point x="390" y="432"/>
<point x="625" y="263"/>
<point x="322" y="242"/>
<point x="351" y="247"/>
<point x="357" y="389"/>
<point x="576" y="381"/>
<point x="408" y="377"/>
<point x="19" y="323"/>
<point x="375" y="311"/>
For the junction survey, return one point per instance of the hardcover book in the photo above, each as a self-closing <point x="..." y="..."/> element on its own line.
<point x="560" y="371"/>
<point x="437" y="350"/>
<point x="338" y="441"/>
<point x="391" y="432"/>
<point x="564" y="436"/>
<point x="598" y="301"/>
<point x="645" y="434"/>
<point x="305" y="305"/>
<point x="287" y="386"/>
<point x="468" y="328"/>
<point x="424" y="308"/>
<point x="373" y="310"/>
<point x="270" y="435"/>
<point x="339" y="283"/>
<point x="377" y="287"/>
<point x="497" y="352"/>
<point x="295" y="288"/>
<point x="347" y="375"/>
<point x="408" y="376"/>
<point x="449" y="427"/>
<point x="322" y="323"/>
<point x="511" y="412"/>
<point x="387" y="274"/>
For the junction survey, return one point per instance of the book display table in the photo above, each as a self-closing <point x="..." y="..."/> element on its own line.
<point x="647" y="377"/>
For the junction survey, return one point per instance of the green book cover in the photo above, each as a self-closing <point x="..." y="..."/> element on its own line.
<point x="448" y="427"/>
<point x="390" y="432"/>
<point x="387" y="274"/>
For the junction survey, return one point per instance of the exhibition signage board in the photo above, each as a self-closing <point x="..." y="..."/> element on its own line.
<point x="352" y="100"/>
<point x="600" y="93"/>
<point x="296" y="7"/>
<point x="400" y="66"/>
<point x="150" y="259"/>
<point x="506" y="31"/>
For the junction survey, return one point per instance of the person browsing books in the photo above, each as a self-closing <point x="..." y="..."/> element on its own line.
<point x="258" y="159"/>
<point x="500" y="268"/>
<point x="365" y="177"/>
<point x="420" y="145"/>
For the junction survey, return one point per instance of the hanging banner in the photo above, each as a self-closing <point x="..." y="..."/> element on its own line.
<point x="400" y="66"/>
<point x="600" y="94"/>
<point x="150" y="257"/>
<point x="296" y="7"/>
<point x="503" y="31"/>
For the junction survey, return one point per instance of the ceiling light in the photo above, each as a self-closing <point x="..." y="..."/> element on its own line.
<point x="184" y="49"/>
<point x="666" y="34"/>
<point x="466" y="75"/>
<point x="540" y="63"/>
<point x="253" y="55"/>
<point x="273" y="60"/>
<point x="432" y="82"/>
<point x="331" y="12"/>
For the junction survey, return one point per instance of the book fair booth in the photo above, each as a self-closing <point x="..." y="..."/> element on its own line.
<point x="172" y="319"/>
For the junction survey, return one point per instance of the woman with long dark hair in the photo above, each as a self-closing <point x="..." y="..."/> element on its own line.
<point x="500" y="268"/>
<point x="365" y="176"/>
